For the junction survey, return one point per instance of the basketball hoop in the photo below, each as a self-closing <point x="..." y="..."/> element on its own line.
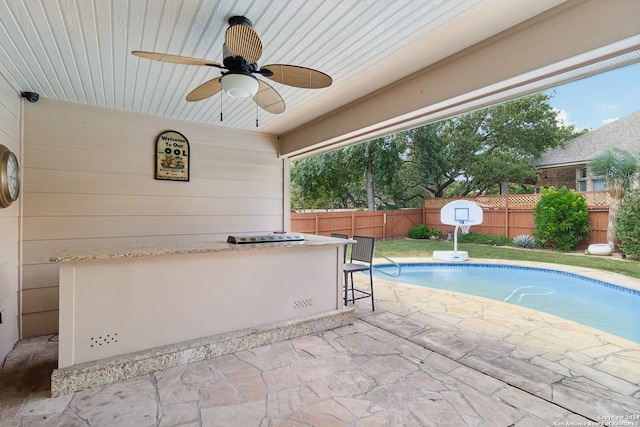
<point x="461" y="214"/>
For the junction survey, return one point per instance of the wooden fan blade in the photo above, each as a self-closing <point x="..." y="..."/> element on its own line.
<point x="175" y="59"/>
<point x="303" y="77"/>
<point x="205" y="90"/>
<point x="269" y="99"/>
<point x="242" y="40"/>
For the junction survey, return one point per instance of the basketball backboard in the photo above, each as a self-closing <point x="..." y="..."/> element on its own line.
<point x="461" y="212"/>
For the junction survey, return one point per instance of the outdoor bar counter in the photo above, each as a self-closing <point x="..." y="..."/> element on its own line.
<point x="130" y="310"/>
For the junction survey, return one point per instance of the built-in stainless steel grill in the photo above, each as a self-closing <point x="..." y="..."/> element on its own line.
<point x="265" y="238"/>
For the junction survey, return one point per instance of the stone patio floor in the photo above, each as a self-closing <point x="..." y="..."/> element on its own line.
<point x="424" y="358"/>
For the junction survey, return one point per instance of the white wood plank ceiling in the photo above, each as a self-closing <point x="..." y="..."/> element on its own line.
<point x="80" y="50"/>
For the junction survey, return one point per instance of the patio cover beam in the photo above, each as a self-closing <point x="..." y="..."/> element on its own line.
<point x="518" y="61"/>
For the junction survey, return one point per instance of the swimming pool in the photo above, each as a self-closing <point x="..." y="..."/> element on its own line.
<point x="601" y="305"/>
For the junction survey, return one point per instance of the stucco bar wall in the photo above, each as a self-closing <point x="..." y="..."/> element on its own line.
<point x="116" y="301"/>
<point x="89" y="181"/>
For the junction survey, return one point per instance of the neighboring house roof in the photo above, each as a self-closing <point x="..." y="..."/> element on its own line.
<point x="624" y="133"/>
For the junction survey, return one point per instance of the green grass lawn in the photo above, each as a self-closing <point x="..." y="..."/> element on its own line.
<point x="424" y="248"/>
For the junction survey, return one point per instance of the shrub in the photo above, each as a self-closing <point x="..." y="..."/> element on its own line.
<point x="628" y="224"/>
<point x="501" y="240"/>
<point x="421" y="231"/>
<point x="481" y="238"/>
<point x="524" y="241"/>
<point x="561" y="218"/>
<point x="472" y="237"/>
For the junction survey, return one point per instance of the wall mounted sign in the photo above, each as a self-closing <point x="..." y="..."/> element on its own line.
<point x="172" y="156"/>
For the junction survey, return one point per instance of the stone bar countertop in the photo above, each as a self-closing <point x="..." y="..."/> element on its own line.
<point x="115" y="252"/>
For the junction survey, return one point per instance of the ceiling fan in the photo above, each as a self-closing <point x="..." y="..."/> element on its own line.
<point x="242" y="48"/>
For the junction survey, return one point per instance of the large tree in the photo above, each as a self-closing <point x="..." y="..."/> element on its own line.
<point x="619" y="168"/>
<point x="469" y="154"/>
<point x="475" y="152"/>
<point x="360" y="176"/>
<point x="429" y="160"/>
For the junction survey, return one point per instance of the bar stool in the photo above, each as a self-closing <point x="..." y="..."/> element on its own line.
<point x="361" y="260"/>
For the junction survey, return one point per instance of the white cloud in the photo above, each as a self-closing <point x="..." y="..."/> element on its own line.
<point x="608" y="107"/>
<point x="562" y="117"/>
<point x="607" y="121"/>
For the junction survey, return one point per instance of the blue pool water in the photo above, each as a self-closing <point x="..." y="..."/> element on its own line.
<point x="601" y="305"/>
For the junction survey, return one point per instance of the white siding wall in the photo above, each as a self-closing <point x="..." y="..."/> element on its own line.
<point x="9" y="225"/>
<point x="89" y="181"/>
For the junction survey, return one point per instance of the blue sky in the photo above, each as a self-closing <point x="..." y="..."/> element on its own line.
<point x="595" y="101"/>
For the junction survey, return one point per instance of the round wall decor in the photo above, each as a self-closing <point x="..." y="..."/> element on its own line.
<point x="9" y="177"/>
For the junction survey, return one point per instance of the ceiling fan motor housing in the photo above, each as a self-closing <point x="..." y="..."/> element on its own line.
<point x="234" y="20"/>
<point x="237" y="64"/>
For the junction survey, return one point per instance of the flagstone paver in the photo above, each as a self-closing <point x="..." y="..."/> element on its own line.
<point x="547" y="352"/>
<point x="423" y="358"/>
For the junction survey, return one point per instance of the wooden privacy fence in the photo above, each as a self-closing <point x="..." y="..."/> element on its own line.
<point x="512" y="214"/>
<point x="508" y="215"/>
<point x="380" y="224"/>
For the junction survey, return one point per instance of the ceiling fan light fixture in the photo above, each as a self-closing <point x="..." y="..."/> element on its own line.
<point x="240" y="85"/>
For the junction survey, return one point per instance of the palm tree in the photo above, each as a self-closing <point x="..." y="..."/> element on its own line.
<point x="619" y="169"/>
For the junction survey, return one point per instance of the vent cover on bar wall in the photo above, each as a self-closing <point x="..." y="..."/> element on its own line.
<point x="265" y="238"/>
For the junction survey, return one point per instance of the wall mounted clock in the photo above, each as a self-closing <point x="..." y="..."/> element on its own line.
<point x="9" y="177"/>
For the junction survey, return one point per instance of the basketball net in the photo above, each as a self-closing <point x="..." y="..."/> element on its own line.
<point x="464" y="228"/>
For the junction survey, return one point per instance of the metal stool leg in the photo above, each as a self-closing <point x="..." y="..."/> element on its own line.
<point x="346" y="286"/>
<point x="371" y="288"/>
<point x="353" y="292"/>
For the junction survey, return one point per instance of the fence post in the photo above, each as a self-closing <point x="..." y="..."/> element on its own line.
<point x="384" y="226"/>
<point x="353" y="224"/>
<point x="316" y="216"/>
<point x="506" y="216"/>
